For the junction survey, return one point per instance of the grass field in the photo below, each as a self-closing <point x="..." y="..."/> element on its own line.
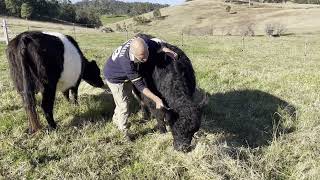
<point x="262" y="120"/>
<point x="107" y="20"/>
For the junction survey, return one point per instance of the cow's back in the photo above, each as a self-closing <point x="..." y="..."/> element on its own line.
<point x="71" y="62"/>
<point x="52" y="58"/>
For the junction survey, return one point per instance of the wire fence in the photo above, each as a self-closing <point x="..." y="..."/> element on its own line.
<point x="11" y="28"/>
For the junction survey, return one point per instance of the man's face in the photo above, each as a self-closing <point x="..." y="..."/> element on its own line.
<point x="141" y="57"/>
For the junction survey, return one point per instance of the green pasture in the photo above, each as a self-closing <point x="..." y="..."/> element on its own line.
<point x="262" y="120"/>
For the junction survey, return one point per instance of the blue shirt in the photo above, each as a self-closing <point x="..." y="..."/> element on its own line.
<point x="119" y="68"/>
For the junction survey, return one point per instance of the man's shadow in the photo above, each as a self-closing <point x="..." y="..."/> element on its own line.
<point x="248" y="117"/>
<point x="97" y="107"/>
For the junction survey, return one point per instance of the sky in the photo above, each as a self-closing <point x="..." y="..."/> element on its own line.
<point x="171" y="2"/>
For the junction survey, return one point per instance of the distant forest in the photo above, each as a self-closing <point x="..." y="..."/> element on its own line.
<point x="86" y="12"/>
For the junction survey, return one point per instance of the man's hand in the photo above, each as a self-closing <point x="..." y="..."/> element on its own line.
<point x="153" y="97"/>
<point x="159" y="104"/>
<point x="170" y="53"/>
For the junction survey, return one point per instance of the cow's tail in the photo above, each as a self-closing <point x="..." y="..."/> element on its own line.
<point x="26" y="80"/>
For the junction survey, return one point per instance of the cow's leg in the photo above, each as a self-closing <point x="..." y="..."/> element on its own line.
<point x="66" y="94"/>
<point x="74" y="92"/>
<point x="145" y="112"/>
<point x="143" y="107"/>
<point x="161" y="125"/>
<point x="48" y="97"/>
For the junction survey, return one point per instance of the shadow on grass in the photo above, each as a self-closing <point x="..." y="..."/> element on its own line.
<point x="162" y="17"/>
<point x="97" y="108"/>
<point x="248" y="117"/>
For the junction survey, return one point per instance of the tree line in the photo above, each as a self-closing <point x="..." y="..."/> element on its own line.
<point x="85" y="12"/>
<point x="113" y="7"/>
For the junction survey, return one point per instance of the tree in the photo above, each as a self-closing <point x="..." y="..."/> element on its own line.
<point x="26" y="10"/>
<point x="88" y="17"/>
<point x="13" y="7"/>
<point x="2" y="8"/>
<point x="67" y="11"/>
<point x="157" y="14"/>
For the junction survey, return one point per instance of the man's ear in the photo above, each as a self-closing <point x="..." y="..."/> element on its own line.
<point x="131" y="56"/>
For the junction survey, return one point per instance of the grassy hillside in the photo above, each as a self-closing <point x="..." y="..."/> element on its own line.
<point x="210" y="17"/>
<point x="107" y="20"/>
<point x="261" y="122"/>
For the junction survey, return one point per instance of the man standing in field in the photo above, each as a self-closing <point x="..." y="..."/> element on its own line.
<point x="121" y="71"/>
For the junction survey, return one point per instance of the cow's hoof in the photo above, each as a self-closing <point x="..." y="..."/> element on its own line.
<point x="51" y="128"/>
<point x="30" y="131"/>
<point x="162" y="130"/>
<point x="129" y="136"/>
<point x="143" y="121"/>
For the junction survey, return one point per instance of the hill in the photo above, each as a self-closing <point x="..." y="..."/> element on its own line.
<point x="210" y="17"/>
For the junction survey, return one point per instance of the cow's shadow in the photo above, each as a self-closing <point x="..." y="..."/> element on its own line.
<point x="249" y="118"/>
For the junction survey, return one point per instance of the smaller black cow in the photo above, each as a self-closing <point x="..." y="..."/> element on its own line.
<point x="46" y="62"/>
<point x="175" y="83"/>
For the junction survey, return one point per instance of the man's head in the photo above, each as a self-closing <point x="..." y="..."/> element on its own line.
<point x="138" y="50"/>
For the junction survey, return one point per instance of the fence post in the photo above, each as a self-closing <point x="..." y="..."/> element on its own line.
<point x="127" y="36"/>
<point x="181" y="39"/>
<point x="5" y="31"/>
<point x="305" y="49"/>
<point x="243" y="45"/>
<point x="74" y="31"/>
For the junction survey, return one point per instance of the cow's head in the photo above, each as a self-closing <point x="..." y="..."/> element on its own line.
<point x="91" y="74"/>
<point x="185" y="122"/>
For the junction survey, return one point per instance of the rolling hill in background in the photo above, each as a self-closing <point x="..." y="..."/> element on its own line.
<point x="200" y="17"/>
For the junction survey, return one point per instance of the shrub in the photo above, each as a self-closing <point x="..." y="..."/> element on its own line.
<point x="247" y="30"/>
<point x="156" y="14"/>
<point x="106" y="30"/>
<point x="228" y="8"/>
<point x="140" y="20"/>
<point x="89" y="18"/>
<point x="137" y="30"/>
<point x="118" y="27"/>
<point x="275" y="29"/>
<point x="26" y="10"/>
<point x="122" y="28"/>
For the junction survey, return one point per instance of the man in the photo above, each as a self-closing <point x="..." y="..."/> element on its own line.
<point x="121" y="69"/>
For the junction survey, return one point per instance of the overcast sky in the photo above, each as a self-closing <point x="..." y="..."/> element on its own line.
<point x="171" y="2"/>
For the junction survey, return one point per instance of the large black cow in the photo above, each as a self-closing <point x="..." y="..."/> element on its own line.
<point x="46" y="62"/>
<point x="173" y="81"/>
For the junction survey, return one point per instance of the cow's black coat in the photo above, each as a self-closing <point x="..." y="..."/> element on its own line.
<point x="36" y="63"/>
<point x="175" y="83"/>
